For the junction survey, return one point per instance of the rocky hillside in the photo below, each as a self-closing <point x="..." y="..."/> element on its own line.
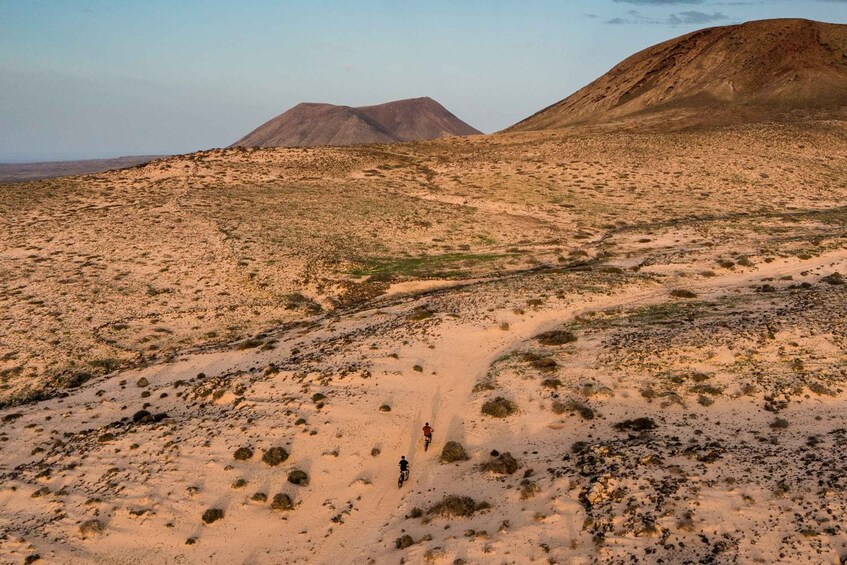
<point x="770" y="70"/>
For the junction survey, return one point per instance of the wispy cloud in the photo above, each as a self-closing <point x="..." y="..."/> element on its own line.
<point x="678" y="18"/>
<point x="694" y="17"/>
<point x="658" y="2"/>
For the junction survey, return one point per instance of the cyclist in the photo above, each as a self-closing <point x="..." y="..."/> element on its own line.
<point x="404" y="466"/>
<point x="427" y="431"/>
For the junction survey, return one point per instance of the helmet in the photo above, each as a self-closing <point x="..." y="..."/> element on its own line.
<point x="427" y="423"/>
<point x="402" y="457"/>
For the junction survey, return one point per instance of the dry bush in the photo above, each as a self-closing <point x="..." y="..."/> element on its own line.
<point x="499" y="407"/>
<point x="556" y="337"/>
<point x="453" y="451"/>
<point x="574" y="406"/>
<point x="636" y="425"/>
<point x="501" y="464"/>
<point x="682" y="293"/>
<point x="297" y="477"/>
<point x="274" y="456"/>
<point x="455" y="505"/>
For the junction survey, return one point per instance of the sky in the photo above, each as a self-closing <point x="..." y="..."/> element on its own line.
<point x="103" y="78"/>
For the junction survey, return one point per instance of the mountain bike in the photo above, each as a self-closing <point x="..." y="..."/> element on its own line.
<point x="404" y="476"/>
<point x="427" y="441"/>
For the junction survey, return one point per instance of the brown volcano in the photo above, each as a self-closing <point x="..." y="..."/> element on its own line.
<point x="758" y="71"/>
<point x="308" y="124"/>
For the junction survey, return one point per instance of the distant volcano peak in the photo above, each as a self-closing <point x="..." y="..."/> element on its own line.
<point x="309" y="123"/>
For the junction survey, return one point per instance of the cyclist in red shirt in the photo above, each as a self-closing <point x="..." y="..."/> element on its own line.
<point x="427" y="431"/>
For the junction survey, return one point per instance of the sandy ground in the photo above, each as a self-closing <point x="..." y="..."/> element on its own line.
<point x="687" y="406"/>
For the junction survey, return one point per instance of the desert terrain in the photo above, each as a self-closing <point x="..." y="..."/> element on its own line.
<point x="22" y="172"/>
<point x="631" y="347"/>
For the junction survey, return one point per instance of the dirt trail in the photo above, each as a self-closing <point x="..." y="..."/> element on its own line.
<point x="459" y="363"/>
<point x="454" y="357"/>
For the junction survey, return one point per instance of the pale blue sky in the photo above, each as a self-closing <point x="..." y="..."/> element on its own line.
<point x="98" y="78"/>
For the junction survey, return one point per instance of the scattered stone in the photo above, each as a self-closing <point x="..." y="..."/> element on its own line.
<point x="243" y="454"/>
<point x="142" y="383"/>
<point x="259" y="497"/>
<point x="600" y="491"/>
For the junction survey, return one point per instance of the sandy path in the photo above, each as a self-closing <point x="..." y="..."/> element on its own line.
<point x="455" y="356"/>
<point x="459" y="363"/>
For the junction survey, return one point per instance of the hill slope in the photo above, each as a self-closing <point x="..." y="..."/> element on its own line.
<point x="308" y="124"/>
<point x="757" y="71"/>
<point x="226" y="353"/>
